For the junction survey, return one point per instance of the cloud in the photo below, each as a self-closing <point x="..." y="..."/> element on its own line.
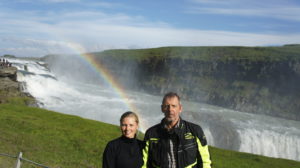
<point x="37" y="33"/>
<point x="284" y="10"/>
<point x="33" y="47"/>
<point x="100" y="37"/>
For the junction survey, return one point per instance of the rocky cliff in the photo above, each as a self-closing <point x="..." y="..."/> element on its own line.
<point x="10" y="88"/>
<point x="264" y="80"/>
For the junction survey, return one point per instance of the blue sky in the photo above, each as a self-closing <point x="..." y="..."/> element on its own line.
<point x="40" y="27"/>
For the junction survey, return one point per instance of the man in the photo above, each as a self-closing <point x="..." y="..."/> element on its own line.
<point x="175" y="143"/>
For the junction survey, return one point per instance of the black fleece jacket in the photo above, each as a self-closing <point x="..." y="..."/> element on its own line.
<point x="123" y="153"/>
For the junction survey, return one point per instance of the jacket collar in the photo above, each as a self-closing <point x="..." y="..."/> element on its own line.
<point x="175" y="129"/>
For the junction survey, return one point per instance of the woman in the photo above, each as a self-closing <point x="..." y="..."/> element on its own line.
<point x="125" y="151"/>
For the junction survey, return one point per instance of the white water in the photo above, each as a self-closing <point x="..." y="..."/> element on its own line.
<point x="224" y="128"/>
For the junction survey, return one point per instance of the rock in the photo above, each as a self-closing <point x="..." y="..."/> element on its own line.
<point x="11" y="88"/>
<point x="10" y="72"/>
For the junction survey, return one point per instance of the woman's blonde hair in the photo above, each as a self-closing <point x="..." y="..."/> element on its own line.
<point x="129" y="114"/>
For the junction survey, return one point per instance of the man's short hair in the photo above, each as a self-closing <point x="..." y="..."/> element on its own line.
<point x="171" y="95"/>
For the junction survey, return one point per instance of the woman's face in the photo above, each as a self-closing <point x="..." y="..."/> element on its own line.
<point x="129" y="127"/>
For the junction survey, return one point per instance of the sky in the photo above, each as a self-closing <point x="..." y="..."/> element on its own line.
<point x="35" y="28"/>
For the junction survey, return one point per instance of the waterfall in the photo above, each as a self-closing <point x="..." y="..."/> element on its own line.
<point x="224" y="128"/>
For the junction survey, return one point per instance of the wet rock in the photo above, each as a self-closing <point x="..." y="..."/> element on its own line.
<point x="10" y="72"/>
<point x="10" y="87"/>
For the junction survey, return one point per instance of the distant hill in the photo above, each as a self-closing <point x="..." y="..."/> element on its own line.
<point x="264" y="80"/>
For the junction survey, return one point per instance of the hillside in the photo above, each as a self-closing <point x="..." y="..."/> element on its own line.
<point x="50" y="138"/>
<point x="264" y="80"/>
<point x="64" y="141"/>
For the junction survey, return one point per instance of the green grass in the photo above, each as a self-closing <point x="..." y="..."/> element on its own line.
<point x="231" y="159"/>
<point x="65" y="141"/>
<point x="53" y="139"/>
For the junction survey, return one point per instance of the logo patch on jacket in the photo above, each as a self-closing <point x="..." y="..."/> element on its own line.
<point x="154" y="140"/>
<point x="189" y="136"/>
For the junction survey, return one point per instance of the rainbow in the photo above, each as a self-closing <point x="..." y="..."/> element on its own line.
<point x="117" y="87"/>
<point x="108" y="77"/>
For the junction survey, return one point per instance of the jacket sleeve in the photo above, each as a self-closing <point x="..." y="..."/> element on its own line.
<point x="109" y="156"/>
<point x="146" y="151"/>
<point x="204" y="155"/>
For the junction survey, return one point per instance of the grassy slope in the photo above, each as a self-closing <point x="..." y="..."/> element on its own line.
<point x="64" y="141"/>
<point x="53" y="139"/>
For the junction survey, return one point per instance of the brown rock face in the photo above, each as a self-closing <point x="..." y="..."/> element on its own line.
<point x="10" y="72"/>
<point x="9" y="86"/>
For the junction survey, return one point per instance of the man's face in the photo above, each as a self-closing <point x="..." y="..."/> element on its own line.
<point x="172" y="109"/>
